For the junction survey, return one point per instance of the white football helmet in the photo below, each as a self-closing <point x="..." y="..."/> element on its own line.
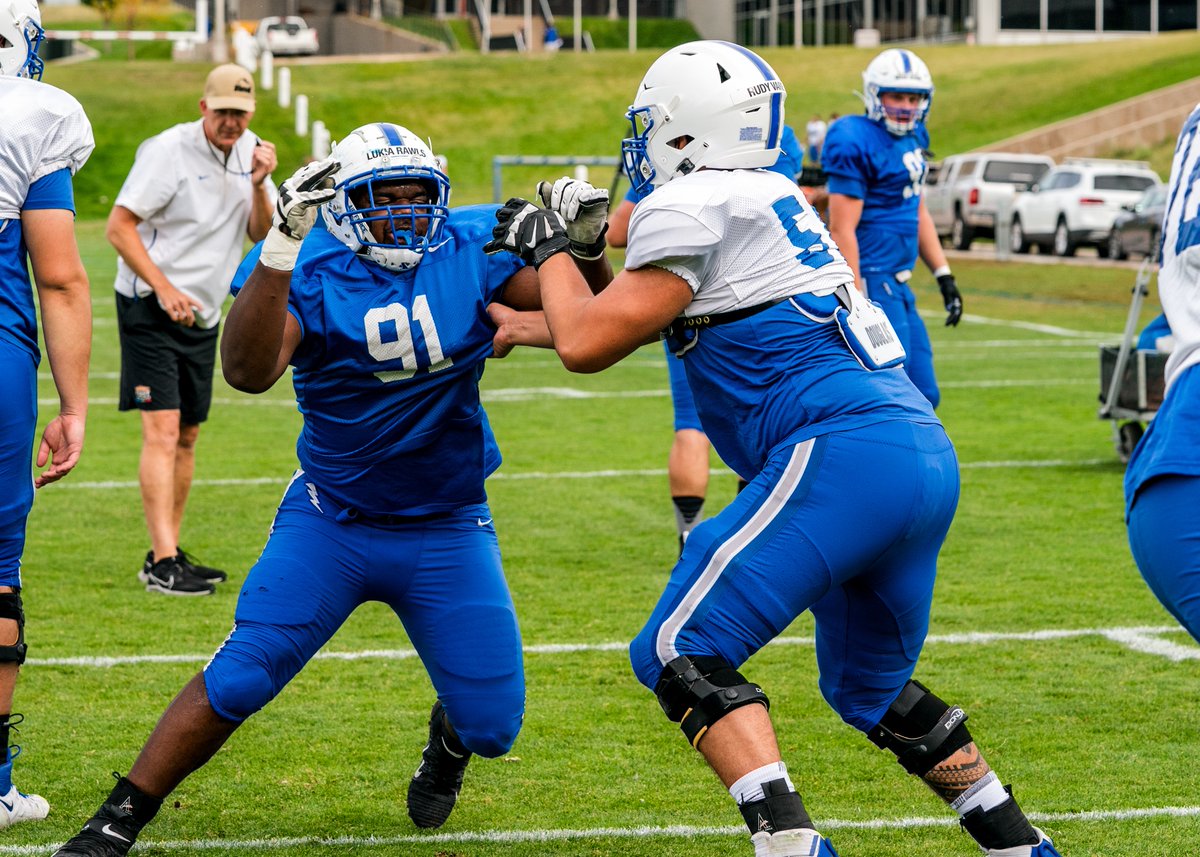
<point x="897" y="70"/>
<point x="20" y="34"/>
<point x="385" y="153"/>
<point x="719" y="103"/>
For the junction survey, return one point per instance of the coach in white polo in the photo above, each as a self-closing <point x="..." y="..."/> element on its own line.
<point x="195" y="192"/>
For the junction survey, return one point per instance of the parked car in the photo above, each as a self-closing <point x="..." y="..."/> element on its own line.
<point x="1138" y="226"/>
<point x="967" y="193"/>
<point x="283" y="37"/>
<point x="1074" y="205"/>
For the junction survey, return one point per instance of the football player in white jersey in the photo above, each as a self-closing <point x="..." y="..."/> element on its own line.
<point x="1162" y="481"/>
<point x="797" y="381"/>
<point x="45" y="138"/>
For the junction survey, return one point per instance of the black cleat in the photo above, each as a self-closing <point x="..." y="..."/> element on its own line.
<point x="206" y="573"/>
<point x="434" y="787"/>
<point x="101" y="837"/>
<point x="169" y="577"/>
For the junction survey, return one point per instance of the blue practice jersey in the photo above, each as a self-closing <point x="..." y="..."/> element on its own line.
<point x="387" y="370"/>
<point x="887" y="173"/>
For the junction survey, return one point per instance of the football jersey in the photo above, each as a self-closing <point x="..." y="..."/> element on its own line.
<point x="387" y="370"/>
<point x="865" y="161"/>
<point x="1171" y="444"/>
<point x="1179" y="270"/>
<point x="46" y="138"/>
<point x="745" y="238"/>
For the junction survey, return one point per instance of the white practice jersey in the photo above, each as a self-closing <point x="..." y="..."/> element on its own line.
<point x="43" y="130"/>
<point x="712" y="229"/>
<point x="1179" y="273"/>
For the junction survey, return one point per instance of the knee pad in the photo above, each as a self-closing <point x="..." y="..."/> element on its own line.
<point x="11" y="608"/>
<point x="237" y="693"/>
<point x="921" y="729"/>
<point x="697" y="692"/>
<point x="488" y="730"/>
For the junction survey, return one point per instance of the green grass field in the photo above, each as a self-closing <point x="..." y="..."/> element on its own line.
<point x="1080" y="689"/>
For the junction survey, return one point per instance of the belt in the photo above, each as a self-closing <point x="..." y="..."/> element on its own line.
<point x="712" y="319"/>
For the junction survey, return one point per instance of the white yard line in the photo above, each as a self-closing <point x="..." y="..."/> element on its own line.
<point x="675" y="831"/>
<point x="1145" y="639"/>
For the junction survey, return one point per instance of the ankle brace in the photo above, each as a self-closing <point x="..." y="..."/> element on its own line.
<point x="129" y="805"/>
<point x="781" y="809"/>
<point x="1002" y="827"/>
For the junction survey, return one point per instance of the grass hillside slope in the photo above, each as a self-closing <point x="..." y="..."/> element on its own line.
<point x="473" y="107"/>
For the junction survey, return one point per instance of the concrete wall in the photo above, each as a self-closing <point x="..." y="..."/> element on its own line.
<point x="713" y="19"/>
<point x="1142" y="121"/>
<point x="354" y="34"/>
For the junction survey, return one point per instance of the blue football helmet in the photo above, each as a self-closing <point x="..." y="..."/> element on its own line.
<point x="20" y="35"/>
<point x="703" y="104"/>
<point x="897" y="70"/>
<point x="377" y="154"/>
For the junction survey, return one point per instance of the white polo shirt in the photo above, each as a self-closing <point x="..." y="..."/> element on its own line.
<point x="195" y="205"/>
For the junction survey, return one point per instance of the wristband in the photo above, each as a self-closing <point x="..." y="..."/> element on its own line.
<point x="941" y="272"/>
<point x="279" y="251"/>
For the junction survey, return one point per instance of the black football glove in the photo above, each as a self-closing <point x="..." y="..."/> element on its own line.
<point x="951" y="298"/>
<point x="534" y="234"/>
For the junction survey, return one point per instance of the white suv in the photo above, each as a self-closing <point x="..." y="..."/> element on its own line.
<point x="966" y="195"/>
<point x="1074" y="205"/>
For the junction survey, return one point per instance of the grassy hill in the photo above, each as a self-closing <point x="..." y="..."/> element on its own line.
<point x="473" y="107"/>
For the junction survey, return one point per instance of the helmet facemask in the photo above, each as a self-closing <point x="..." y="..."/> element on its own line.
<point x="21" y="34"/>
<point x="376" y="210"/>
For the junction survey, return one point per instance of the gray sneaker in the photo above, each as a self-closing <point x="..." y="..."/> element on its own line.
<point x="169" y="577"/>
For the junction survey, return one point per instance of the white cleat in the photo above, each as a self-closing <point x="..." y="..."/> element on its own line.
<point x="16" y="807"/>
<point x="1043" y="848"/>
<point x="800" y="842"/>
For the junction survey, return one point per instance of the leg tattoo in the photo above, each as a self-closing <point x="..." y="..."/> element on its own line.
<point x="954" y="775"/>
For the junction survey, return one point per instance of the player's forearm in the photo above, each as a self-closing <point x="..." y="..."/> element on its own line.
<point x="597" y="273"/>
<point x="847" y="242"/>
<point x="66" y="309"/>
<point x="929" y="246"/>
<point x="252" y="339"/>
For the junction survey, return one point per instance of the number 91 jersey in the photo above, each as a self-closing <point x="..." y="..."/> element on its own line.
<point x="388" y="366"/>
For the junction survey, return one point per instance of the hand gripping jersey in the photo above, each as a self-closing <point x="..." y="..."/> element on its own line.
<point x="45" y="137"/>
<point x="747" y="238"/>
<point x="387" y="370"/>
<point x="887" y="173"/>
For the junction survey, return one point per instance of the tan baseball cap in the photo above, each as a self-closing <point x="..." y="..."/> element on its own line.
<point x="229" y="87"/>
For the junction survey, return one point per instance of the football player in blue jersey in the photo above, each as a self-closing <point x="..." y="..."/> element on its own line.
<point x="877" y="215"/>
<point x="45" y="137"/>
<point x="1162" y="480"/>
<point x="795" y="377"/>
<point x="382" y="313"/>
<point x="688" y="463"/>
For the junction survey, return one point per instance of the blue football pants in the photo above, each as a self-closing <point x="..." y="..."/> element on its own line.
<point x="1164" y="535"/>
<point x="18" y="422"/>
<point x="441" y="576"/>
<point x="847" y="525"/>
<point x="900" y="306"/>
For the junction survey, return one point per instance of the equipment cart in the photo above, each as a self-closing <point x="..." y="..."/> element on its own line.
<point x="1131" y="381"/>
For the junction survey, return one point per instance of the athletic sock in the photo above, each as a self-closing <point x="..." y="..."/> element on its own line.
<point x="750" y="787"/>
<point x="689" y="511"/>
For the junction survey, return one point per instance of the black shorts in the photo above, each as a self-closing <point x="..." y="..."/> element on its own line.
<point x="164" y="366"/>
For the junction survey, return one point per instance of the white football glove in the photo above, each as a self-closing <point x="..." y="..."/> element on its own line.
<point x="584" y="208"/>
<point x="296" y="211"/>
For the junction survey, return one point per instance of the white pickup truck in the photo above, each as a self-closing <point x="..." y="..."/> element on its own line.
<point x="286" y="37"/>
<point x="968" y="191"/>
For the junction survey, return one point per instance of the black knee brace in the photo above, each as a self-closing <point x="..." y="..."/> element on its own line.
<point x="921" y="729"/>
<point x="10" y="608"/>
<point x="697" y="692"/>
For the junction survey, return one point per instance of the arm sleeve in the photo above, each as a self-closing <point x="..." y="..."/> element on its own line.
<point x="52" y="191"/>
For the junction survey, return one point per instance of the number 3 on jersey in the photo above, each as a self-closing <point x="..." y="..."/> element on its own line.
<point x="390" y="337"/>
<point x="813" y="247"/>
